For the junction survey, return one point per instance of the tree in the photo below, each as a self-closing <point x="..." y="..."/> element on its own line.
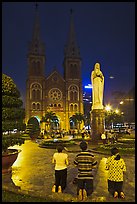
<point x="13" y="113"/>
<point x="33" y="128"/>
<point x="87" y="120"/>
<point x="78" y="118"/>
<point x="111" y="117"/>
<point x="50" y="119"/>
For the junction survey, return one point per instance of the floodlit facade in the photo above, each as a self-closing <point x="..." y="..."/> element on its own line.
<point x="62" y="95"/>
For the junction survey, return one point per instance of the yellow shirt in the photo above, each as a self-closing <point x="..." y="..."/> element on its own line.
<point x="60" y="160"/>
<point x="115" y="168"/>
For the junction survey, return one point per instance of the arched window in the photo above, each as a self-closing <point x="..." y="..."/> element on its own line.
<point x="71" y="66"/>
<point x="71" y="107"/>
<point x="38" y="106"/>
<point x="36" y="91"/>
<point x="33" y="94"/>
<point x="59" y="105"/>
<point x="33" y="106"/>
<point x="73" y="71"/>
<point x="38" y="94"/>
<point x="75" y="107"/>
<point x="73" y="93"/>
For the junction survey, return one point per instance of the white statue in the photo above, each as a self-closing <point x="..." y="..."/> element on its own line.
<point x="97" y="80"/>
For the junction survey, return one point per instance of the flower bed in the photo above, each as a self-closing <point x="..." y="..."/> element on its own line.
<point x="53" y="143"/>
<point x="124" y="148"/>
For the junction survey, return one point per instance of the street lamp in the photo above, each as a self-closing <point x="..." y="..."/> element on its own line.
<point x="108" y="107"/>
<point x="121" y="102"/>
<point x="117" y="111"/>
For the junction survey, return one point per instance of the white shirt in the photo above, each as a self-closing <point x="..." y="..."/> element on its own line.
<point x="103" y="136"/>
<point x="60" y="160"/>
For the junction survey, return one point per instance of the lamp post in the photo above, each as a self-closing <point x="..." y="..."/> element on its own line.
<point x="108" y="108"/>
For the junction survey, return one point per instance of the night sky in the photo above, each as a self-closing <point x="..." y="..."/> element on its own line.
<point x="105" y="33"/>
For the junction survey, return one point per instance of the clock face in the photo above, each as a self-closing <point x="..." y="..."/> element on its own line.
<point x="55" y="94"/>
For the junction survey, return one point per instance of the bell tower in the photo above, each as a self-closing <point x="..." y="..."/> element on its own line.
<point x="36" y="76"/>
<point x="72" y="59"/>
<point x="72" y="73"/>
<point x="36" y="53"/>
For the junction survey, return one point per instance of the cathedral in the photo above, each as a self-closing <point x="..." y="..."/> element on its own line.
<point x="63" y="95"/>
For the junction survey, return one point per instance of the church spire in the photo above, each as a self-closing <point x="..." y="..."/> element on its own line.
<point x="71" y="48"/>
<point x="36" y="31"/>
<point x="36" y="46"/>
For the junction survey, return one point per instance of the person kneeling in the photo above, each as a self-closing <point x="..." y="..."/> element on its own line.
<point x="60" y="160"/>
<point x="85" y="162"/>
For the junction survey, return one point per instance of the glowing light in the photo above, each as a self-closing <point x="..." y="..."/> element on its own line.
<point x="121" y="102"/>
<point x="89" y="86"/>
<point x="117" y="111"/>
<point x="55" y="140"/>
<point x="111" y="77"/>
<point x="37" y="118"/>
<point x="108" y="107"/>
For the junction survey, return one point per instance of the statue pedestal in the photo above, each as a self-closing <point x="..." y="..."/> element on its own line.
<point x="97" y="124"/>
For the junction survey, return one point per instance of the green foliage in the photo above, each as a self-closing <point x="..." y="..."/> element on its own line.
<point x="53" y="143"/>
<point x="9" y="101"/>
<point x="125" y="146"/>
<point x="12" y="125"/>
<point x="77" y="118"/>
<point x="32" y="130"/>
<point x="9" y="87"/>
<point x="11" y="140"/>
<point x="33" y="121"/>
<point x="50" y="119"/>
<point x="12" y="112"/>
<point x="113" y="117"/>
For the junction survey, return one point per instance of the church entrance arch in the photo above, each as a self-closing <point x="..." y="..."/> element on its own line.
<point x="33" y="127"/>
<point x="34" y="120"/>
<point x="55" y="123"/>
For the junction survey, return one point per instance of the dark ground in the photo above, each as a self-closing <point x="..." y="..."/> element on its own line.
<point x="33" y="174"/>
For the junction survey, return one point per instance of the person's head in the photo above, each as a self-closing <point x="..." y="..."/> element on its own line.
<point x="60" y="148"/>
<point x="83" y="145"/>
<point x="114" y="151"/>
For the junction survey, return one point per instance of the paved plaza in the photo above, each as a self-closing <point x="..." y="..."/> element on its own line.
<point x="33" y="173"/>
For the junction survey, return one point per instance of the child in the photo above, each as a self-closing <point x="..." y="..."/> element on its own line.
<point x="60" y="160"/>
<point x="115" y="166"/>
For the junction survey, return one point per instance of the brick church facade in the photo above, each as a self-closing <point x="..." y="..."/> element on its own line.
<point x="62" y="95"/>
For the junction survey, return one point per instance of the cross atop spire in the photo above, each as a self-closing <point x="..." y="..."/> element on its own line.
<point x="36" y="31"/>
<point x="36" y="6"/>
<point x="36" y="46"/>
